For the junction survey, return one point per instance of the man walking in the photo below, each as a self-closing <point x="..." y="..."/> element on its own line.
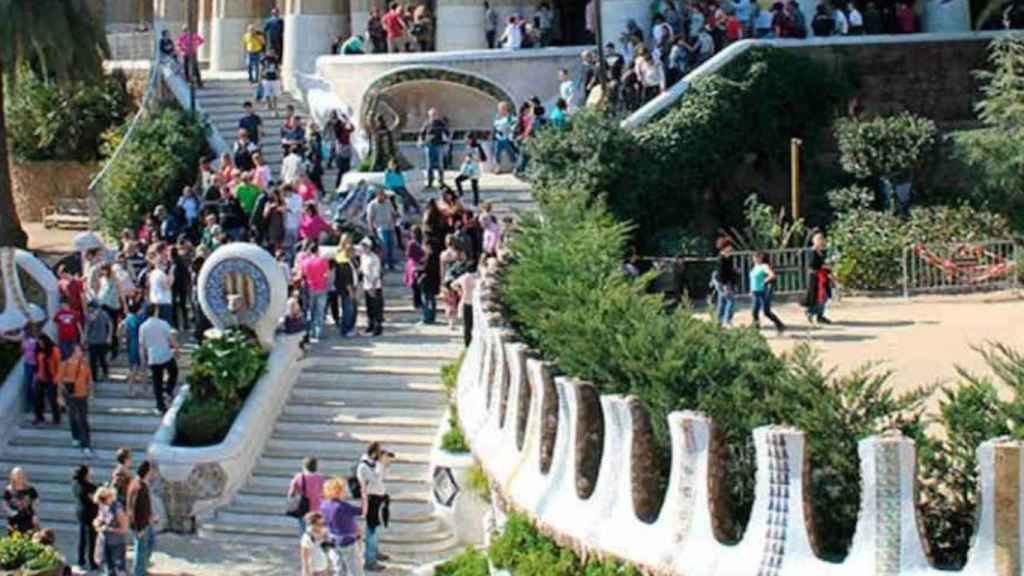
<point x="159" y="348"/>
<point x="273" y="30"/>
<point x="74" y="379"/>
<point x="380" y="217"/>
<point x="253" y="42"/>
<point x="371" y="472"/>
<point x="141" y="518"/>
<point x="373" y="287"/>
<point x="433" y="137"/>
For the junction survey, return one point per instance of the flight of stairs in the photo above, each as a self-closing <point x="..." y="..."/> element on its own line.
<point x="350" y="393"/>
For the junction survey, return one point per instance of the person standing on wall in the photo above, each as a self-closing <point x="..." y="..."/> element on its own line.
<point x="371" y="472"/>
<point x="490" y="25"/>
<point x="159" y="348"/>
<point x="253" y="42"/>
<point x="141" y="519"/>
<point x="188" y="47"/>
<point x="433" y="137"/>
<point x="394" y="26"/>
<point x="273" y="31"/>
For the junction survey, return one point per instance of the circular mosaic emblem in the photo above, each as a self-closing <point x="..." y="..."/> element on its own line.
<point x="237" y="292"/>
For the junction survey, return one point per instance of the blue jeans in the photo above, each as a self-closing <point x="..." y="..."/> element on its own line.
<point x="144" y="544"/>
<point x="370" y="556"/>
<point x="763" y="302"/>
<point x="254" y="68"/>
<point x="429" y="308"/>
<point x="115" y="562"/>
<point x="386" y="235"/>
<point x="78" y="418"/>
<point x="66" y="348"/>
<point x="726" y="305"/>
<point x="318" y="312"/>
<point x="30" y="386"/>
<point x="166" y="312"/>
<point x="500" y="146"/>
<point x="434" y="163"/>
<point x="348" y="314"/>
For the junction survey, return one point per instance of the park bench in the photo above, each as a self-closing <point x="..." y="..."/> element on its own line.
<point x="69" y="213"/>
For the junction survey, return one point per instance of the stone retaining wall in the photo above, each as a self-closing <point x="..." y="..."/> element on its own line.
<point x="603" y="506"/>
<point x="40" y="184"/>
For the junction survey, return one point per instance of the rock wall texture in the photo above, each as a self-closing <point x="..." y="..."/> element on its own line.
<point x="40" y="184"/>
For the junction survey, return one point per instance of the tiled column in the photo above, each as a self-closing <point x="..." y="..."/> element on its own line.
<point x="310" y="26"/>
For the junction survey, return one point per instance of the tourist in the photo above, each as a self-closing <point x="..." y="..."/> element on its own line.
<point x="159" y="281"/>
<point x="273" y="30"/>
<point x="371" y="473"/>
<point x="855" y="19"/>
<point x="295" y="322"/>
<point x="394" y="180"/>
<point x="315" y="156"/>
<point x="465" y="285"/>
<point x="725" y="281"/>
<point x="470" y="170"/>
<point x="20" y="501"/>
<point x="394" y="26"/>
<point x="373" y="287"/>
<point x="68" y="332"/>
<point x="311" y="547"/>
<point x="705" y="45"/>
<point x="29" y="344"/>
<point x="376" y="33"/>
<point x="339" y="134"/>
<point x="872" y="19"/>
<point x="423" y="28"/>
<point x="315" y="270"/>
<point x="72" y="291"/>
<point x="308" y="483"/>
<point x="346" y="276"/>
<point x="129" y="331"/>
<point x="661" y="35"/>
<point x="432" y="137"/>
<point x="428" y="280"/>
<point x="492" y="234"/>
<point x="413" y="257"/>
<point x="189" y="204"/>
<point x="98" y="331"/>
<point x="291" y="166"/>
<point x="264" y="174"/>
<point x="344" y="533"/>
<point x="270" y="79"/>
<point x="272" y="223"/>
<point x="159" y="349"/>
<point x="122" y="475"/>
<point x="252" y="123"/>
<point x="86" y="511"/>
<point x="292" y="216"/>
<point x="188" y="47"/>
<point x="512" y="37"/>
<point x="842" y="25"/>
<point x="380" y="220"/>
<point x="530" y="116"/>
<point x="762" y="287"/>
<point x="253" y="42"/>
<point x="678" y="60"/>
<point x="819" y="285"/>
<point x="504" y="134"/>
<point x="112" y="525"/>
<point x="567" y="88"/>
<point x="544" y="21"/>
<point x="48" y="358"/>
<point x="142" y="520"/>
<point x="651" y="74"/>
<point x="448" y="259"/>
<point x="293" y="131"/>
<point x="168" y="53"/>
<point x="181" y="285"/>
<point x="823" y="24"/>
<point x="490" y="25"/>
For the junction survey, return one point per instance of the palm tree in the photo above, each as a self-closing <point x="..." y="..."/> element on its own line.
<point x="65" y="41"/>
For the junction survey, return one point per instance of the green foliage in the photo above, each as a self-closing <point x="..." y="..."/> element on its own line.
<point x="225" y="368"/>
<point x="48" y="121"/>
<point x="156" y="163"/>
<point x="1003" y="103"/>
<point x="453" y="440"/>
<point x="767" y="228"/>
<point x="19" y="552"/>
<point x="469" y="562"/>
<point x="885" y="146"/>
<point x="478" y="483"/>
<point x="59" y="39"/>
<point x="522" y="549"/>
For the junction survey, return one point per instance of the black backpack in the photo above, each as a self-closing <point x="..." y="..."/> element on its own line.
<point x="355" y="489"/>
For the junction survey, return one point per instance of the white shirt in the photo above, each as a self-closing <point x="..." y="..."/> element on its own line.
<point x="466" y="285"/>
<point x="567" y="90"/>
<point x="155" y="337"/>
<point x="371" y="475"/>
<point x="293" y="211"/>
<point x="855" y="19"/>
<point x="290" y="167"/>
<point x="842" y="25"/>
<point x="513" y="36"/>
<point x="369" y="266"/>
<point x="159" y="287"/>
<point x="318" y="558"/>
<point x="661" y="32"/>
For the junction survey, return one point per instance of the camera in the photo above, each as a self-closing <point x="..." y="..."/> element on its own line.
<point x="387" y="453"/>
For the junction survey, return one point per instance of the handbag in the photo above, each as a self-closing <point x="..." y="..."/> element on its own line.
<point x="298" y="505"/>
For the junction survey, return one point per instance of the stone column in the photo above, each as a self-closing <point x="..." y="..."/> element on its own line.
<point x="230" y="19"/>
<point x="169" y="15"/>
<point x="204" y="27"/>
<point x="310" y="26"/>
<point x="460" y="25"/>
<point x="615" y="14"/>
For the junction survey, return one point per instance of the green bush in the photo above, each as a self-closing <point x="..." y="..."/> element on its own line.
<point x="885" y="146"/>
<point x="453" y="440"/>
<point x="478" y="483"/>
<point x="18" y="552"/>
<point x="470" y="562"/>
<point x="522" y="549"/>
<point x="224" y="370"/>
<point x="158" y="161"/>
<point x="48" y="121"/>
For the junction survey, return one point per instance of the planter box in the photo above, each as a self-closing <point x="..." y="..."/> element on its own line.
<point x="459" y="509"/>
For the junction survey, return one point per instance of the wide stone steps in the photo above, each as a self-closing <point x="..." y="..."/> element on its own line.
<point x="288" y="466"/>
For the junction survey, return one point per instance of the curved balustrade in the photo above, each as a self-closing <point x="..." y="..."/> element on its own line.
<point x="582" y="466"/>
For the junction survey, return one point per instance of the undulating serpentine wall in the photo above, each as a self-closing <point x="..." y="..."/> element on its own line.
<point x="580" y="465"/>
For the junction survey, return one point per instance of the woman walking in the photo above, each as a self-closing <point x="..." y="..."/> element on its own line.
<point x="308" y="483"/>
<point x="428" y="278"/>
<point x="725" y="282"/>
<point x="112" y="525"/>
<point x="86" y="511"/>
<point x="112" y="300"/>
<point x="341" y="524"/>
<point x="819" y="282"/>
<point x="47" y="369"/>
<point x="762" y="287"/>
<point x="346" y="277"/>
<point x="449" y="258"/>
<point x="20" y="500"/>
<point x="413" y="256"/>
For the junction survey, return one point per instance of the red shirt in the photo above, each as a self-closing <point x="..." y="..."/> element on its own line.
<point x="733" y="29"/>
<point x="67" y="324"/>
<point x="393" y="25"/>
<point x="73" y="290"/>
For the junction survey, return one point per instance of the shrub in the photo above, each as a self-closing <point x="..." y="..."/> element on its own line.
<point x="224" y="370"/>
<point x="478" y="483"/>
<point x="157" y="162"/>
<point x="48" y="121"/>
<point x="470" y="562"/>
<point x="19" y="552"/>
<point x="885" y="146"/>
<point x="453" y="440"/>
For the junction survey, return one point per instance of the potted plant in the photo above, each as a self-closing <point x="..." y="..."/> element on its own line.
<point x="21" y="556"/>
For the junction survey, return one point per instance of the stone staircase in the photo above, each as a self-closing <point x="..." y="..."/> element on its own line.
<point x="350" y="393"/>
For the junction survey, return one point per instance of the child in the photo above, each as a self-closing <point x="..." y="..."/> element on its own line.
<point x="394" y="180"/>
<point x="129" y="331"/>
<point x="470" y="171"/>
<point x="67" y="328"/>
<point x="762" y="284"/>
<point x="97" y="337"/>
<point x="295" y="321"/>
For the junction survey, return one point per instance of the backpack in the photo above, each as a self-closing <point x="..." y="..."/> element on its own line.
<point x="355" y="488"/>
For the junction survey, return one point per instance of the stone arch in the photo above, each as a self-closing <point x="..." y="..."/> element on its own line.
<point x="420" y="73"/>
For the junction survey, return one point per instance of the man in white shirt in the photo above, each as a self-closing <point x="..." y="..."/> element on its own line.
<point x="291" y="166"/>
<point x="465" y="285"/>
<point x="373" y="287"/>
<point x="159" y="349"/>
<point x="292" y="216"/>
<point x="855" y="19"/>
<point x="567" y="89"/>
<point x="842" y="24"/>
<point x="513" y="36"/>
<point x="160" y="284"/>
<point x="371" y="472"/>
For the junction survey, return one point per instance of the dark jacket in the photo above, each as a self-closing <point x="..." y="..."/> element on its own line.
<point x="428" y="274"/>
<point x="140" y="508"/>
<point x="85" y="509"/>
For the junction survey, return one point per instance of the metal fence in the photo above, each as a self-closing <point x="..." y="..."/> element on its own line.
<point x="791" y="267"/>
<point x="961" y="267"/>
